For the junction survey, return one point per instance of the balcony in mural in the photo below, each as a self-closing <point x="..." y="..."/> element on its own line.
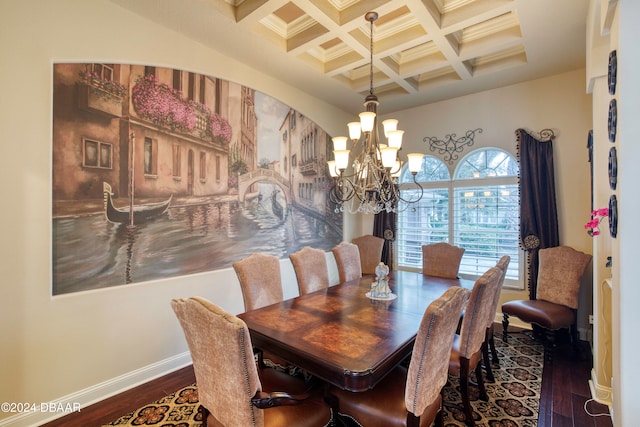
<point x="166" y="107"/>
<point x="311" y="167"/>
<point x="101" y="96"/>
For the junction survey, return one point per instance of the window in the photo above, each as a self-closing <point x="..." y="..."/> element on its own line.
<point x="191" y="90"/>
<point x="177" y="172"/>
<point x="218" y="167"/>
<point x="104" y="71"/>
<point x="201" y="89"/>
<point x="177" y="80"/>
<point x="203" y="166"/>
<point x="150" y="156"/>
<point x="96" y="154"/>
<point x="478" y="210"/>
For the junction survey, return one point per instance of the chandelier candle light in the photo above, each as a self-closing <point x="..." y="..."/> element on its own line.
<point x="366" y="176"/>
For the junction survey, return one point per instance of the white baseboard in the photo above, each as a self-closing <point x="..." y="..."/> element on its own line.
<point x="99" y="392"/>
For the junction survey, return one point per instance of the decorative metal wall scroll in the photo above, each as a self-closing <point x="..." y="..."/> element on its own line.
<point x="612" y="72"/>
<point x="451" y="145"/>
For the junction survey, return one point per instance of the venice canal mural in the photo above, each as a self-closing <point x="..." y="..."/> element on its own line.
<point x="160" y="173"/>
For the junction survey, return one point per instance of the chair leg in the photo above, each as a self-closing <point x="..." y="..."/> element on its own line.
<point x="492" y="345"/>
<point x="480" y="381"/>
<point x="439" y="421"/>
<point x="485" y="358"/>
<point x="464" y="391"/>
<point x="505" y="326"/>
<point x="205" y="415"/>
<point x="260" y="356"/>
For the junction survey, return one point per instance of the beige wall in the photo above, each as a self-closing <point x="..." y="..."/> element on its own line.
<point x="82" y="347"/>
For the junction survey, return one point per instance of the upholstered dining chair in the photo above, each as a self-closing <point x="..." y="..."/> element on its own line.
<point x="560" y="274"/>
<point x="441" y="259"/>
<point x="232" y="390"/>
<point x="310" y="266"/>
<point x="412" y="396"/>
<point x="467" y="348"/>
<point x="260" y="280"/>
<point x="489" y="344"/>
<point x="370" y="252"/>
<point x="347" y="257"/>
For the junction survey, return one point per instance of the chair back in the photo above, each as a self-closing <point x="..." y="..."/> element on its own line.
<point x="260" y="280"/>
<point x="477" y="312"/>
<point x="347" y="258"/>
<point x="370" y="248"/>
<point x="503" y="265"/>
<point x="429" y="364"/>
<point x="560" y="274"/>
<point x="311" y="270"/>
<point x="223" y="362"/>
<point x="441" y="260"/>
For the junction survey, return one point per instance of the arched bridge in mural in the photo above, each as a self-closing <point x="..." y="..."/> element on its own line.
<point x="246" y="180"/>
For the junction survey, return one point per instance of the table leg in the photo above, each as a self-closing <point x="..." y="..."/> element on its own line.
<point x="337" y="419"/>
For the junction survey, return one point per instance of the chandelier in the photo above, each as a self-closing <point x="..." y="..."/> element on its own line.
<point x="366" y="176"/>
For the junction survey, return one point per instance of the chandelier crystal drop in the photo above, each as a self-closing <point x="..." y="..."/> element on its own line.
<point x="366" y="175"/>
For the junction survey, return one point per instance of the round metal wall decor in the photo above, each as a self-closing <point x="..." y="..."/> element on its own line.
<point x="613" y="168"/>
<point x="612" y="72"/>
<point x="613" y="120"/>
<point x="613" y="216"/>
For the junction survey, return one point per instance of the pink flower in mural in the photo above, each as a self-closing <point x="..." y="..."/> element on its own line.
<point x="220" y="127"/>
<point x="162" y="105"/>
<point x="593" y="226"/>
<point x="166" y="107"/>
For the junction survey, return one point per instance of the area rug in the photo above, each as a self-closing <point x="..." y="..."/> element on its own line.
<point x="513" y="397"/>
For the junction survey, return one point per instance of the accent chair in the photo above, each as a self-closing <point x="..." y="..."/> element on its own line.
<point x="559" y="277"/>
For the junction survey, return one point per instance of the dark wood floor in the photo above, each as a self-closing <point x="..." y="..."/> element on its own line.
<point x="565" y="390"/>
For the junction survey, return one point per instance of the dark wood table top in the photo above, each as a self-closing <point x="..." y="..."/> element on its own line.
<point x="340" y="335"/>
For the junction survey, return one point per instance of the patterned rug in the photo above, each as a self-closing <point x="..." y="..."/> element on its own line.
<point x="513" y="398"/>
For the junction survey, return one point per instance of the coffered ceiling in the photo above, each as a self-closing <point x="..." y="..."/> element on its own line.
<point x="423" y="50"/>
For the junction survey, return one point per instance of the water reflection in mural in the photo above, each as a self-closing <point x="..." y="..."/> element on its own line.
<point x="186" y="240"/>
<point x="212" y="171"/>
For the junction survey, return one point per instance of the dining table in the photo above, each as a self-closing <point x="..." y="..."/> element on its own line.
<point x="344" y="337"/>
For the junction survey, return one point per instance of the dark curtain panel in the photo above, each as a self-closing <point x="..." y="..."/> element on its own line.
<point x="538" y="210"/>
<point x="384" y="225"/>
